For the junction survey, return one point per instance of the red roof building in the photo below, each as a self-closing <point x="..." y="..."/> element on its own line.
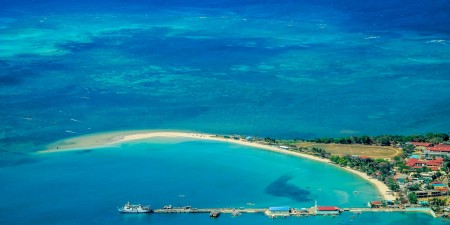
<point x="421" y="144"/>
<point x="440" y="148"/>
<point x="375" y="204"/>
<point x="436" y="162"/>
<point x="432" y="164"/>
<point x="327" y="208"/>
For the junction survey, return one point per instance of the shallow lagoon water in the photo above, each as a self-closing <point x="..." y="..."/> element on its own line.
<point x="82" y="187"/>
<point x="86" y="186"/>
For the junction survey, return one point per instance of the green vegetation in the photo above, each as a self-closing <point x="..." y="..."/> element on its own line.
<point x="408" y="149"/>
<point x="270" y="140"/>
<point x="412" y="197"/>
<point x="437" y="204"/>
<point x="414" y="187"/>
<point x="446" y="166"/>
<point x="379" y="168"/>
<point x="385" y="140"/>
<point x="392" y="184"/>
<point x="320" y="152"/>
<point x="400" y="164"/>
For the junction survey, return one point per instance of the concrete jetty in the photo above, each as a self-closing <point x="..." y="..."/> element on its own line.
<point x="209" y="210"/>
<point x="300" y="212"/>
<point x="238" y="211"/>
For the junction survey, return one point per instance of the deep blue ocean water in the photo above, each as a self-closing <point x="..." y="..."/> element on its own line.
<point x="291" y="69"/>
<point x="285" y="69"/>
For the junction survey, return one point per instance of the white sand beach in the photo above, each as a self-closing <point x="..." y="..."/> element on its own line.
<point x="115" y="138"/>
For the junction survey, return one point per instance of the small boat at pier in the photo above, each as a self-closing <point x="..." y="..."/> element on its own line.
<point x="129" y="208"/>
<point x="214" y="214"/>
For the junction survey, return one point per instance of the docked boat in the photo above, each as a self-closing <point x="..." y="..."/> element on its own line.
<point x="214" y="214"/>
<point x="129" y="208"/>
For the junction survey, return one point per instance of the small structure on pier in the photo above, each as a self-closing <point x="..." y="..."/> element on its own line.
<point x="326" y="210"/>
<point x="279" y="211"/>
<point x="375" y="204"/>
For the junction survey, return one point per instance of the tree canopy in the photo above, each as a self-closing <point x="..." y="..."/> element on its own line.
<point x="385" y="140"/>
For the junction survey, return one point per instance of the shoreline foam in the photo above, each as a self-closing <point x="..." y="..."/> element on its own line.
<point x="114" y="138"/>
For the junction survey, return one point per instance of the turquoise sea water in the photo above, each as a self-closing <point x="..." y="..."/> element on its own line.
<point x="84" y="187"/>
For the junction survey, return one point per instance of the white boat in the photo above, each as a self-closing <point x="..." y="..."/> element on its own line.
<point x="129" y="208"/>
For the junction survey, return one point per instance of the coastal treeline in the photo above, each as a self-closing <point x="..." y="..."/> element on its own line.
<point x="385" y="140"/>
<point x="376" y="168"/>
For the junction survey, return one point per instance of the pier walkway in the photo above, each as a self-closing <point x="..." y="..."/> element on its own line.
<point x="292" y="212"/>
<point x="387" y="209"/>
<point x="209" y="210"/>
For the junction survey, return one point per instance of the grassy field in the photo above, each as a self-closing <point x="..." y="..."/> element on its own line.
<point x="356" y="149"/>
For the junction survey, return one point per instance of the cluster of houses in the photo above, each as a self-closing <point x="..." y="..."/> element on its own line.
<point x="432" y="164"/>
<point x="432" y="159"/>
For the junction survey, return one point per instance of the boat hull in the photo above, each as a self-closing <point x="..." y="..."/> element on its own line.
<point x="129" y="208"/>
<point x="134" y="211"/>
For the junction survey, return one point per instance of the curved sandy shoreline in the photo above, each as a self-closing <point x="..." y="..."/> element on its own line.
<point x="114" y="138"/>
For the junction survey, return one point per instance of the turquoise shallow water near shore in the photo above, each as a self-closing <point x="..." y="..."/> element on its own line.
<point x="82" y="187"/>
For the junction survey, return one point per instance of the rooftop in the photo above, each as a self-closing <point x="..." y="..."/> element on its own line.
<point x="424" y="144"/>
<point x="416" y="163"/>
<point x="440" y="148"/>
<point x="327" y="208"/>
